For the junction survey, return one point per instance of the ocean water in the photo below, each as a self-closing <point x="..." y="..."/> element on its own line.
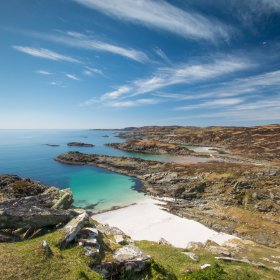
<point x="25" y="153"/>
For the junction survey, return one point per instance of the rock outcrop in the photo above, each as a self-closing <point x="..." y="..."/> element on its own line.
<point x="79" y="144"/>
<point x="151" y="147"/>
<point x="29" y="205"/>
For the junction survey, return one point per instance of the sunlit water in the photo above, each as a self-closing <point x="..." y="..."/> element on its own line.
<point x="23" y="152"/>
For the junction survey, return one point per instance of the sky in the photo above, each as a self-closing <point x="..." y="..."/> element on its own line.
<point x="111" y="64"/>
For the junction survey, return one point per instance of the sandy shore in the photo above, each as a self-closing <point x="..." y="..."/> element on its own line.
<point x="147" y="221"/>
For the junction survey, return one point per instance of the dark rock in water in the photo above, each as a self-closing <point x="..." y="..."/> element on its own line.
<point x="52" y="145"/>
<point x="79" y="144"/>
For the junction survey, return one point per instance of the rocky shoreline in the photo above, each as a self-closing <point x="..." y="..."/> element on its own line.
<point x="234" y="198"/>
<point x="151" y="147"/>
<point x="258" y="143"/>
<point x="29" y="209"/>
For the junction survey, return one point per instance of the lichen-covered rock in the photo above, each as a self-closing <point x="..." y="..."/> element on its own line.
<point x="129" y="253"/>
<point x="29" y="204"/>
<point x="71" y="229"/>
<point x="127" y="259"/>
<point x="30" y="212"/>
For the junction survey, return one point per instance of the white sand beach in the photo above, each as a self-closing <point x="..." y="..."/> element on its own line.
<point x="147" y="221"/>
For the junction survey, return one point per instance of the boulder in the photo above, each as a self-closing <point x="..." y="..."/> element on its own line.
<point x="30" y="212"/>
<point x="128" y="258"/>
<point x="129" y="253"/>
<point x="71" y="230"/>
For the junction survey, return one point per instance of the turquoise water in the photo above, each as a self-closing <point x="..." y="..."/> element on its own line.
<point x="23" y="152"/>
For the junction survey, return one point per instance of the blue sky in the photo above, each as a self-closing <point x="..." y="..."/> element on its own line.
<point x="111" y="64"/>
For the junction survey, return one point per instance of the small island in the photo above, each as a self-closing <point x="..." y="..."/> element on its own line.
<point x="52" y="145"/>
<point x="79" y="144"/>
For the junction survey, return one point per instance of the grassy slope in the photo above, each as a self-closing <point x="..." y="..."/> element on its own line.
<point x="176" y="264"/>
<point x="27" y="260"/>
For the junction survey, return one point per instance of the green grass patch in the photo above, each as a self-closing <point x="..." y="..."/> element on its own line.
<point x="171" y="263"/>
<point x="27" y="260"/>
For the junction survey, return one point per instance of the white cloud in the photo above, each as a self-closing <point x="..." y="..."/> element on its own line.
<point x="256" y="84"/>
<point x="45" y="53"/>
<point x="225" y="102"/>
<point x="89" y="71"/>
<point x="72" y="77"/>
<point x="164" y="77"/>
<point x="134" y="103"/>
<point x="78" y="40"/>
<point x="162" y="55"/>
<point x="161" y="15"/>
<point x="44" y="72"/>
<point x="117" y="93"/>
<point x="187" y="74"/>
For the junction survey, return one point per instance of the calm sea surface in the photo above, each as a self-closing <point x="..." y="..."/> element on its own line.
<point x="24" y="153"/>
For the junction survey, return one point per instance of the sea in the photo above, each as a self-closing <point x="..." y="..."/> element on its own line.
<point x="27" y="153"/>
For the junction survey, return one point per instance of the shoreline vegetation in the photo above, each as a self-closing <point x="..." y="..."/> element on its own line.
<point x="238" y="195"/>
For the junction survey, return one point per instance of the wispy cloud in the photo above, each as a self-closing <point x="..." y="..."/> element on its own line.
<point x="266" y="109"/>
<point x="225" y="102"/>
<point x="82" y="41"/>
<point x="45" y="53"/>
<point x="251" y="85"/>
<point x="165" y="77"/>
<point x="72" y="77"/>
<point x="182" y="74"/>
<point x="89" y="71"/>
<point x="190" y="73"/>
<point x="161" y="15"/>
<point x="117" y="93"/>
<point x="58" y="84"/>
<point x="162" y="55"/>
<point x="134" y="103"/>
<point x="44" y="72"/>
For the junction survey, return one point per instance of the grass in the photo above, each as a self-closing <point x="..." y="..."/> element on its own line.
<point x="175" y="265"/>
<point x="27" y="260"/>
